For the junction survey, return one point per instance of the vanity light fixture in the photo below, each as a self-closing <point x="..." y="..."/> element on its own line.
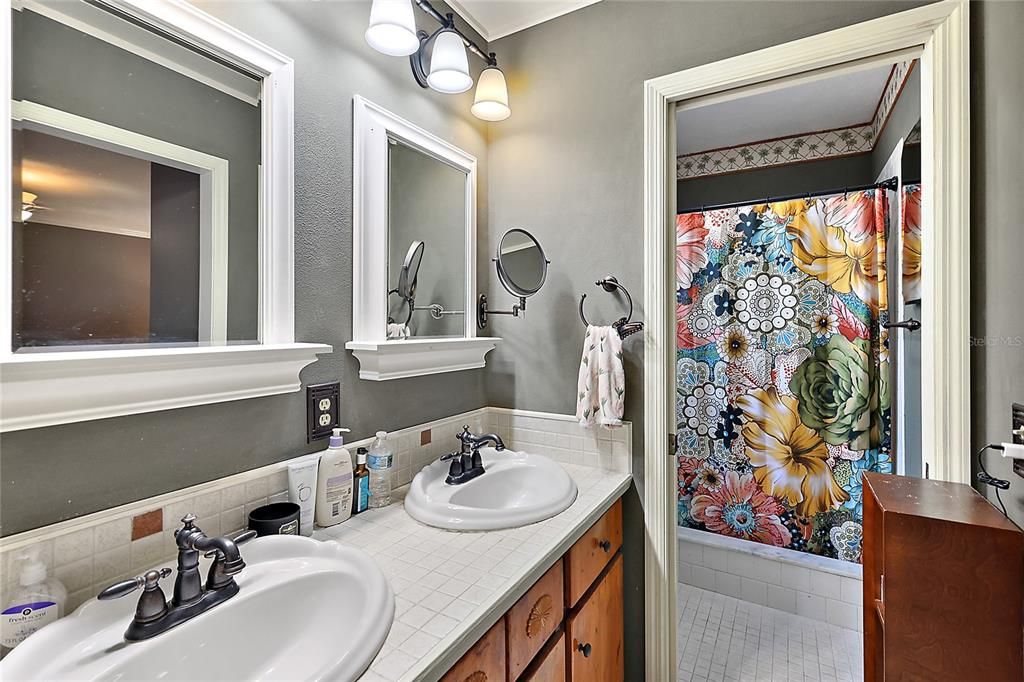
<point x="491" y="101"/>
<point x="449" y="65"/>
<point x="391" y="27"/>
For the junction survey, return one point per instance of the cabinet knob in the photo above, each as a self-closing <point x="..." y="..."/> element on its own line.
<point x="585" y="649"/>
<point x="606" y="545"/>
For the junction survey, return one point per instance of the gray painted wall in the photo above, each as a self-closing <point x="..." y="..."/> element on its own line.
<point x="66" y="69"/>
<point x="568" y="166"/>
<point x="997" y="240"/>
<point x="64" y="471"/>
<point x="775" y="181"/>
<point x="426" y="202"/>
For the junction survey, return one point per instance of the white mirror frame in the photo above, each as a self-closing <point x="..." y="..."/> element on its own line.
<point x="44" y="389"/>
<point x="379" y="358"/>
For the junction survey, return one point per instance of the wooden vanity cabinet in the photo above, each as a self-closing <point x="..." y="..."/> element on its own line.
<point x="568" y="625"/>
<point x="594" y="631"/>
<point x="485" y="662"/>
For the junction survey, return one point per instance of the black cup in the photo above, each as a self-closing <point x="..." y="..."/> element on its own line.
<point x="279" y="518"/>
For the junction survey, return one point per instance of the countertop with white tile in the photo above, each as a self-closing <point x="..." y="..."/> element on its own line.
<point x="451" y="587"/>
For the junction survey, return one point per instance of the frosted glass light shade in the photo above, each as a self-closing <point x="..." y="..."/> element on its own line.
<point x="491" y="101"/>
<point x="449" y="65"/>
<point x="392" y="29"/>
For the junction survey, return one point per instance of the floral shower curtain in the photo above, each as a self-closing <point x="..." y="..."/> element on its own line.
<point x="782" y="369"/>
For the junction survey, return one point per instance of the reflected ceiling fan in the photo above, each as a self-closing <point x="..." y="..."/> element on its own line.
<point x="29" y="206"/>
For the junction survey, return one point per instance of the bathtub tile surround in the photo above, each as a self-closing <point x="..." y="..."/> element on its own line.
<point x="90" y="552"/>
<point x="819" y="588"/>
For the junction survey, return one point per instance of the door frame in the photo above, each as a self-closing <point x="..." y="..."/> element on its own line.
<point x="941" y="29"/>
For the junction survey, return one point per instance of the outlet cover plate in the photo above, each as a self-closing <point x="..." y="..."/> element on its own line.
<point x="1017" y="419"/>
<point x="322" y="411"/>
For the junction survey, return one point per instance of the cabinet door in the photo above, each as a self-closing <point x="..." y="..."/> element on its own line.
<point x="485" y="662"/>
<point x="587" y="558"/>
<point x="550" y="665"/>
<point x="533" y="619"/>
<point x="595" y="632"/>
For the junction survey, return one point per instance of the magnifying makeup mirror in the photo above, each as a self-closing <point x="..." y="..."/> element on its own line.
<point x="522" y="269"/>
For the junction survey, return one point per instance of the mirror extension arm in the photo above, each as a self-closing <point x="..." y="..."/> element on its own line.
<point x="482" y="312"/>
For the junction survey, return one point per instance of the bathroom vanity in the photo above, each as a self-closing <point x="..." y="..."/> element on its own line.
<point x="568" y="625"/>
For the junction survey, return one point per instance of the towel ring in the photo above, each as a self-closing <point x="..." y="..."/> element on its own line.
<point x="623" y="324"/>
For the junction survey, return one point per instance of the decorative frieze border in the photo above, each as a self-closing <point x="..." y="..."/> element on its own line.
<point x="813" y="146"/>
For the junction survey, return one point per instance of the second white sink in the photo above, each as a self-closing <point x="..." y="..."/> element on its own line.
<point x="517" y="489"/>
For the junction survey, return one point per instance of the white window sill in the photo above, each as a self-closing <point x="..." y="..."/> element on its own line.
<point x="384" y="360"/>
<point x="44" y="389"/>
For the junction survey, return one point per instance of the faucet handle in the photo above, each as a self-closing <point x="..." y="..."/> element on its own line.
<point x="239" y="539"/>
<point x="147" y="580"/>
<point x="188" y="520"/>
<point x="450" y="455"/>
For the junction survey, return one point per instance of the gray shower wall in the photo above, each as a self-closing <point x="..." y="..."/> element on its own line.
<point x="61" y="472"/>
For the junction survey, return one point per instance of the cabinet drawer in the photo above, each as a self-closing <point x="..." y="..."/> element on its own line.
<point x="550" y="665"/>
<point x="591" y="553"/>
<point x="594" y="634"/>
<point x="485" y="662"/>
<point x="533" y="619"/>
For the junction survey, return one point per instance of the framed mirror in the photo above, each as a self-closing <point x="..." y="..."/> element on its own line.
<point x="151" y="151"/>
<point x="414" y="269"/>
<point x="522" y="269"/>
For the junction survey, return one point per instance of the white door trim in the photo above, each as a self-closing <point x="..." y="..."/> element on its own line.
<point x="942" y="28"/>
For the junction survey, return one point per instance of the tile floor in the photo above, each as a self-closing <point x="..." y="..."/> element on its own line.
<point x="729" y="640"/>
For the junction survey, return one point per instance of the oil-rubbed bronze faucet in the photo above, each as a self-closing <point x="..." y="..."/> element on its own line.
<point x="154" y="614"/>
<point x="467" y="463"/>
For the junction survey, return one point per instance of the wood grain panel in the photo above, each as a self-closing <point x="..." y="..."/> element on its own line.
<point x="485" y="662"/>
<point x="943" y="570"/>
<point x="595" y="632"/>
<point x="550" y="665"/>
<point x="587" y="558"/>
<point x="533" y="619"/>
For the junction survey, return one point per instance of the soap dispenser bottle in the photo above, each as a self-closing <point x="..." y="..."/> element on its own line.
<point x="36" y="602"/>
<point x="334" y="483"/>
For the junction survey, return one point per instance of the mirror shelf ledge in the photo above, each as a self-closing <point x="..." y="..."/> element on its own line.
<point x="399" y="359"/>
<point x="46" y="389"/>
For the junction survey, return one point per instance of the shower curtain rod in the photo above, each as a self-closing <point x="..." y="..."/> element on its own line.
<point x="890" y="183"/>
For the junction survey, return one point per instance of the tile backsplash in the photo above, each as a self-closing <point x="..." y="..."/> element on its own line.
<point x="90" y="552"/>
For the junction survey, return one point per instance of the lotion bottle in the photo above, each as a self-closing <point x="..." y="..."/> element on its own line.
<point x="36" y="602"/>
<point x="334" y="483"/>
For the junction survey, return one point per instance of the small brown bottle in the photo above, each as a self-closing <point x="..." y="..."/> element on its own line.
<point x="361" y="483"/>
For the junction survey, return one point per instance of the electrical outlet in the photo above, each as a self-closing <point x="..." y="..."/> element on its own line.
<point x="1017" y="421"/>
<point x="322" y="411"/>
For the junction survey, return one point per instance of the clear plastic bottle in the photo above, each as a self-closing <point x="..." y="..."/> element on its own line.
<point x="378" y="461"/>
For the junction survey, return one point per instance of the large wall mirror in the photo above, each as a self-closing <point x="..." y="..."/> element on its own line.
<point x="426" y="245"/>
<point x="414" y="274"/>
<point x="137" y="164"/>
<point x="150" y="188"/>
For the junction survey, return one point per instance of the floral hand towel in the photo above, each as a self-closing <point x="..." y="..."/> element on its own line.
<point x="601" y="389"/>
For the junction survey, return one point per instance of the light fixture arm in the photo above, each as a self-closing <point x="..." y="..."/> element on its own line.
<point x="447" y="22"/>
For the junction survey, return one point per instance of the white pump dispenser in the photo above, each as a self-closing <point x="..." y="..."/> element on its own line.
<point x="37" y="601"/>
<point x="334" y="483"/>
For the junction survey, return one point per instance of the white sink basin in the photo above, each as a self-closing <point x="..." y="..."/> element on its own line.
<point x="307" y="610"/>
<point x="517" y="489"/>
